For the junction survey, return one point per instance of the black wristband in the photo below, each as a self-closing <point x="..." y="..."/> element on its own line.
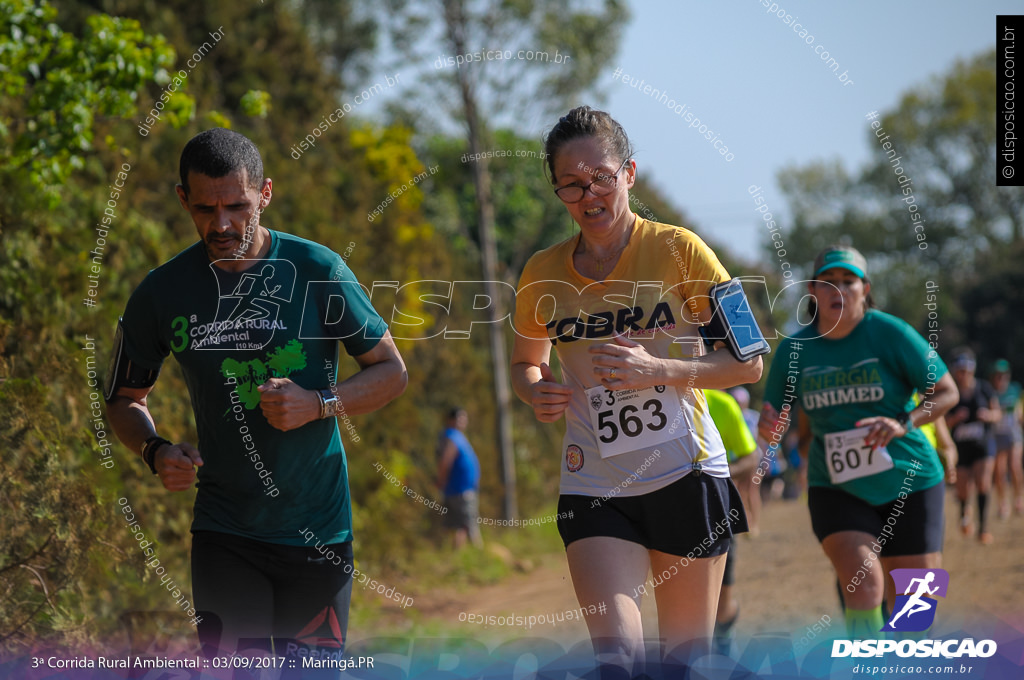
<point x="906" y="421"/>
<point x="149" y="450"/>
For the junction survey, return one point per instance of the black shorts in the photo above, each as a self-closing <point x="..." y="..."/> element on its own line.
<point x="697" y="514"/>
<point x="969" y="453"/>
<point x="248" y="591"/>
<point x="902" y="527"/>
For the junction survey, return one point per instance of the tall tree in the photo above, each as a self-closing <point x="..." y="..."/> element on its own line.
<point x="472" y="34"/>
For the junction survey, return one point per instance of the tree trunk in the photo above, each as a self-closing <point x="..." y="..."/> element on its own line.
<point x="455" y="21"/>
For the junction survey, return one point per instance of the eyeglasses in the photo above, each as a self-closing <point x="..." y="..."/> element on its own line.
<point x="602" y="186"/>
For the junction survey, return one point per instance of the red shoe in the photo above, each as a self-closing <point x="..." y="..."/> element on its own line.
<point x="985" y="538"/>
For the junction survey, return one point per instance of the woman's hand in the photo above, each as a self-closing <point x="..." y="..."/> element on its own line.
<point x="549" y="397"/>
<point x="625" y="364"/>
<point x="883" y="430"/>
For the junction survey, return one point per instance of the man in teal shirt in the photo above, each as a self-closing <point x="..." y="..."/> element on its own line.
<point x="254" y="318"/>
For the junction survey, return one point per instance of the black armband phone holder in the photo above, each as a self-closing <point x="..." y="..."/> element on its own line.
<point x="123" y="372"/>
<point x="733" y="322"/>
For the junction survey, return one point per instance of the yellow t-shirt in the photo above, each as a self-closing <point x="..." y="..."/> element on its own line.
<point x="654" y="294"/>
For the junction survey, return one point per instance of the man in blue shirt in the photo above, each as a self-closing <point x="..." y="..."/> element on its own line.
<point x="459" y="476"/>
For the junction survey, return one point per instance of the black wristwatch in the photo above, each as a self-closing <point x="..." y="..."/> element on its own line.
<point x="906" y="421"/>
<point x="149" y="448"/>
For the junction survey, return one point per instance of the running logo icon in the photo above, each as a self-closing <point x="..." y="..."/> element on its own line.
<point x="248" y="315"/>
<point x="914" y="610"/>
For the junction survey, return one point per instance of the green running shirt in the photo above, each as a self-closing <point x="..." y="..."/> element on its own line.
<point x="230" y="332"/>
<point x="873" y="371"/>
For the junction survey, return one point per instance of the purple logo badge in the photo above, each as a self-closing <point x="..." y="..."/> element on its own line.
<point x="916" y="590"/>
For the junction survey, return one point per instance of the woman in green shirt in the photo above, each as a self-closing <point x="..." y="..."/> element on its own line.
<point x="875" y="483"/>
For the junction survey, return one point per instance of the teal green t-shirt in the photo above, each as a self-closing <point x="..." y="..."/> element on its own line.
<point x="282" y="317"/>
<point x="873" y="371"/>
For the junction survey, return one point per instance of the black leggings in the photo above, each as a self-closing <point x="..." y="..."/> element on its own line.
<point x="247" y="592"/>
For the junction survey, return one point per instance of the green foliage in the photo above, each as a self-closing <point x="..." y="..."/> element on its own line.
<point x="528" y="216"/>
<point x="179" y="109"/>
<point x="572" y="43"/>
<point x="256" y="103"/>
<point x="55" y="85"/>
<point x="52" y="521"/>
<point x="591" y="38"/>
<point x="51" y="482"/>
<point x="991" y="305"/>
<point x="64" y="136"/>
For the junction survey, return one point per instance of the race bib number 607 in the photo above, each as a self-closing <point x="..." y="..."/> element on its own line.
<point x="849" y="458"/>
<point x="628" y="420"/>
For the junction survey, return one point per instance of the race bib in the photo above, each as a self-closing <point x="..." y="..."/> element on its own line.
<point x="849" y="458"/>
<point x="627" y="420"/>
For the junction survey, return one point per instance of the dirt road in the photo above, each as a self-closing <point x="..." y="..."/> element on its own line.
<point x="784" y="583"/>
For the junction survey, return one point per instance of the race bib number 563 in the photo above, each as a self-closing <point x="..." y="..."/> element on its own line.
<point x="849" y="458"/>
<point x="628" y="420"/>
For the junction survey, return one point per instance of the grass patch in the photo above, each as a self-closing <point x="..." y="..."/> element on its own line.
<point x="432" y="565"/>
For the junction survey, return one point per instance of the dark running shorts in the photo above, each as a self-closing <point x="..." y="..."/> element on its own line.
<point x="463" y="511"/>
<point x="915" y="524"/>
<point x="969" y="453"/>
<point x="697" y="514"/>
<point x="248" y="591"/>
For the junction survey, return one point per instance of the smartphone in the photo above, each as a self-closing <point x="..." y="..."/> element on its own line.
<point x="733" y="321"/>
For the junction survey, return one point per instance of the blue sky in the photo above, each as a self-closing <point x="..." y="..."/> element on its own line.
<point x="764" y="92"/>
<point x="769" y="97"/>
